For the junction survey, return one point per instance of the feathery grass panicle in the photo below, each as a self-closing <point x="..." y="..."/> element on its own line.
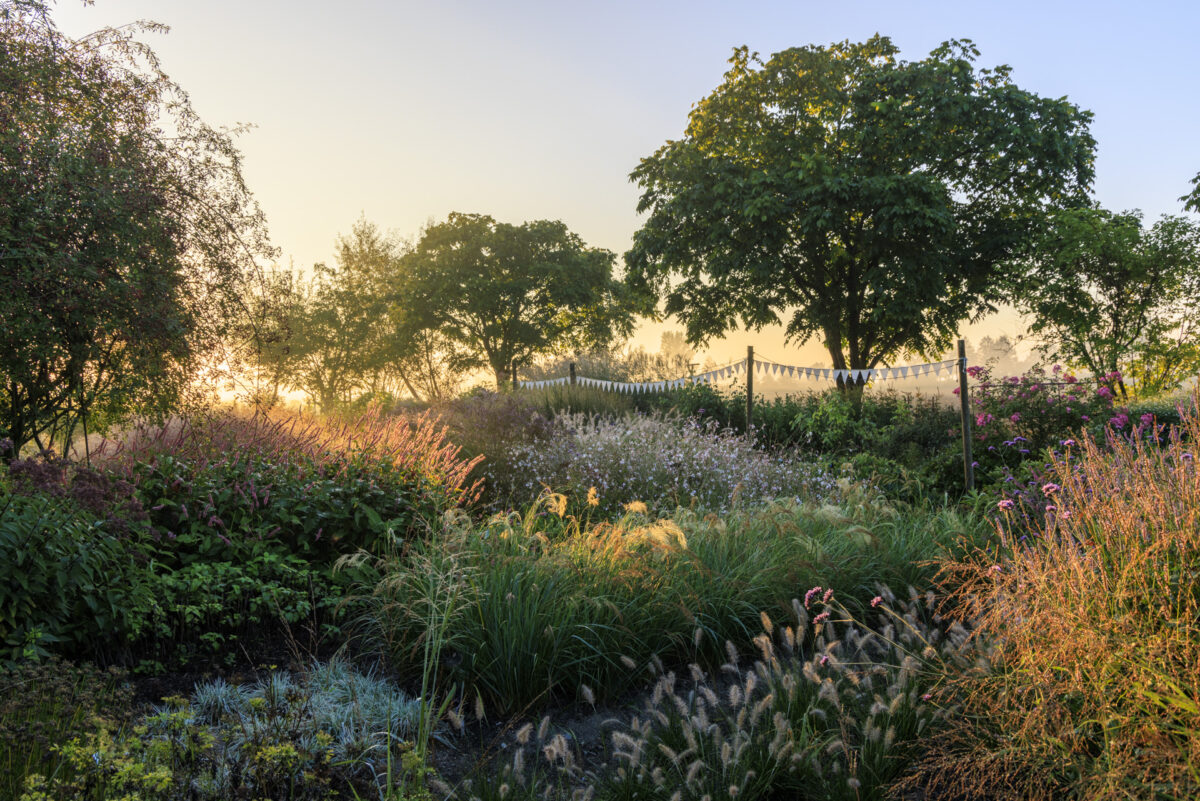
<point x="1096" y="688"/>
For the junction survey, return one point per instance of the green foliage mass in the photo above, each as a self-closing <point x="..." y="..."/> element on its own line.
<point x="125" y="229"/>
<point x="856" y="198"/>
<point x="506" y="293"/>
<point x="1106" y="294"/>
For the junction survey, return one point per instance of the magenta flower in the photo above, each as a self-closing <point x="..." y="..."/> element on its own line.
<point x="1147" y="419"/>
<point x="876" y="601"/>
<point x="1005" y="504"/>
<point x="821" y="618"/>
<point x="808" y="596"/>
<point x="1104" y="392"/>
<point x="1015" y="417"/>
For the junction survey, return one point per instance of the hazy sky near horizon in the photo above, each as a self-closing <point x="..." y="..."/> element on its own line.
<point x="406" y="111"/>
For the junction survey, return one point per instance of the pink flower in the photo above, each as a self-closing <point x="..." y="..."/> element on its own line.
<point x="1005" y="504"/>
<point x="1050" y="488"/>
<point x="996" y="569"/>
<point x="1147" y="419"/>
<point x="808" y="596"/>
<point x="876" y="601"/>
<point x="1016" y="417"/>
<point x="1104" y="392"/>
<point x="821" y="618"/>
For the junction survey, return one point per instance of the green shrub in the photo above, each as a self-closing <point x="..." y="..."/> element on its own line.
<point x="224" y="487"/>
<point x="214" y="611"/>
<point x="66" y="582"/>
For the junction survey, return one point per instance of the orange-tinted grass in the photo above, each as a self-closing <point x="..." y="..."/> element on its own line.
<point x="1095" y="686"/>
<point x="328" y="443"/>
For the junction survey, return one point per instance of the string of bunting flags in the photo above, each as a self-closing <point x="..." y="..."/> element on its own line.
<point x="763" y="368"/>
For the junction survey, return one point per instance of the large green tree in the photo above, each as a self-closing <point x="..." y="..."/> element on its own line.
<point x="508" y="293"/>
<point x="1109" y="295"/>
<point x="854" y="197"/>
<point x="126" y="231"/>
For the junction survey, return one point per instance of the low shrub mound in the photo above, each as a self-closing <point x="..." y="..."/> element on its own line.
<point x="332" y="732"/>
<point x="663" y="462"/>
<point x="317" y="487"/>
<point x="1096" y="610"/>
<point x="43" y="706"/>
<point x="189" y="537"/>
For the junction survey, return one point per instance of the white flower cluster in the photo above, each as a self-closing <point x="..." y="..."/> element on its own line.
<point x="664" y="462"/>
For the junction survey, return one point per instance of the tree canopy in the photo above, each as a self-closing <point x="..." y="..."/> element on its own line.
<point x="851" y="196"/>
<point x="1191" y="201"/>
<point x="1106" y="294"/>
<point x="508" y="293"/>
<point x="336" y="337"/>
<point x="126" y="229"/>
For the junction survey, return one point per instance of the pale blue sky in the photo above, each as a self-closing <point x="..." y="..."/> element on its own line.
<point x="406" y="111"/>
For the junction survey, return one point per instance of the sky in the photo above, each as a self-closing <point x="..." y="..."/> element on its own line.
<point x="405" y="111"/>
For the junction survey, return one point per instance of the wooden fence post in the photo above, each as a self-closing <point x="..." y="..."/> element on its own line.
<point x="749" y="387"/>
<point x="572" y="373"/>
<point x="516" y="385"/>
<point x="968" y="461"/>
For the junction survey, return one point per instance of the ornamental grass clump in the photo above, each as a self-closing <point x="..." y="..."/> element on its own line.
<point x="1096" y="694"/>
<point x="664" y="462"/>
<point x="826" y="708"/>
<point x="548" y="604"/>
